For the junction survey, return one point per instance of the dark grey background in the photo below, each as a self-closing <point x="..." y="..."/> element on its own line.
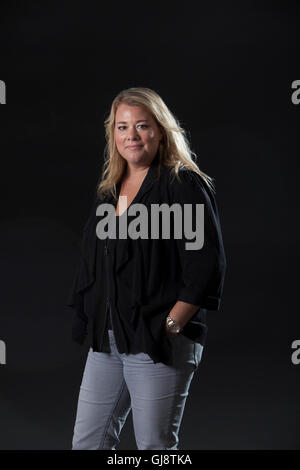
<point x="225" y="69"/>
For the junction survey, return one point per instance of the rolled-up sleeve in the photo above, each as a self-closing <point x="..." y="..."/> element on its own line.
<point x="203" y="269"/>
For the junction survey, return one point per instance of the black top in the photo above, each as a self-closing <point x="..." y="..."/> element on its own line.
<point x="143" y="278"/>
<point x="119" y="313"/>
<point x="125" y="331"/>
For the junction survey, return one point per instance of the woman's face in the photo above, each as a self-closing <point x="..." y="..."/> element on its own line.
<point x="135" y="126"/>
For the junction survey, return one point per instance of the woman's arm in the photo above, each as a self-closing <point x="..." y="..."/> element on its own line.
<point x="199" y="265"/>
<point x="182" y="312"/>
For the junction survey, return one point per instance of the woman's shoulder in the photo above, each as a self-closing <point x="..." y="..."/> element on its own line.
<point x="188" y="186"/>
<point x="185" y="179"/>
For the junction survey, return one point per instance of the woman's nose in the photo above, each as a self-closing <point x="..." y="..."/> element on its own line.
<point x="132" y="132"/>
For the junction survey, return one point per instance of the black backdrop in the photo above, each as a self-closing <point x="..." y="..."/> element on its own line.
<point x="226" y="71"/>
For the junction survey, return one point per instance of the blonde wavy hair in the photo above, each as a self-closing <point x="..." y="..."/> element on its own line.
<point x="174" y="149"/>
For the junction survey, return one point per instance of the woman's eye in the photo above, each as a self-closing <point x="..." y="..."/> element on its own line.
<point x="140" y="125"/>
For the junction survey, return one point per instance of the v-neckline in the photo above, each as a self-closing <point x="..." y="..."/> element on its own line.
<point x="135" y="197"/>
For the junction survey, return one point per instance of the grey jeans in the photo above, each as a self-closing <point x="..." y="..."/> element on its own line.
<point x="114" y="383"/>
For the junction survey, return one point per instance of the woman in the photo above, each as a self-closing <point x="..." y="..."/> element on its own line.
<point x="142" y="289"/>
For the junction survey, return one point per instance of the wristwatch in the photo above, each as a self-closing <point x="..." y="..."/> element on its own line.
<point x="173" y="325"/>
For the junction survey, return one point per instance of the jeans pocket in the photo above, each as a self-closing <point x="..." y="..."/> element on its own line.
<point x="183" y="350"/>
<point x="198" y="349"/>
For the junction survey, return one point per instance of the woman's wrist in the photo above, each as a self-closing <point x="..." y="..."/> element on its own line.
<point x="173" y="325"/>
<point x="182" y="312"/>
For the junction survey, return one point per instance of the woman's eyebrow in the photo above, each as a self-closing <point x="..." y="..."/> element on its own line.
<point x="124" y="122"/>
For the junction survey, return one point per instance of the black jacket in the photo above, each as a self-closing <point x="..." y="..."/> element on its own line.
<point x="149" y="275"/>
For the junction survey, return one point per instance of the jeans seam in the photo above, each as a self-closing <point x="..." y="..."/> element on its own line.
<point x="171" y="414"/>
<point x="110" y="417"/>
